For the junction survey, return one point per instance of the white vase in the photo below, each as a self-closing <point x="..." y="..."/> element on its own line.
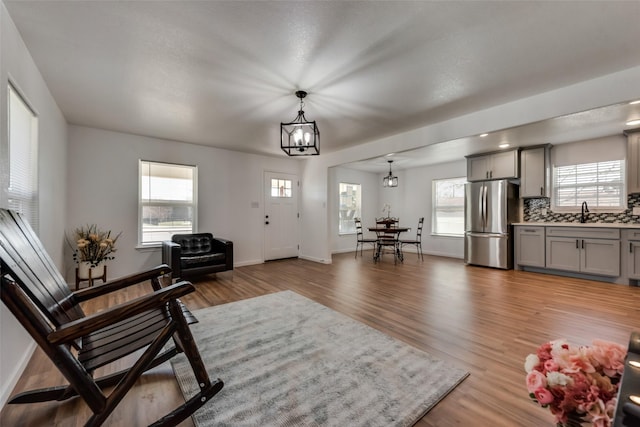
<point x="86" y="272"/>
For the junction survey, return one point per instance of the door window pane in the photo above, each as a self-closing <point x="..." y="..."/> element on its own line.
<point x="281" y="188"/>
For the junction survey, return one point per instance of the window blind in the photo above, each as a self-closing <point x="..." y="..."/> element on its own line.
<point x="22" y="191"/>
<point x="600" y="184"/>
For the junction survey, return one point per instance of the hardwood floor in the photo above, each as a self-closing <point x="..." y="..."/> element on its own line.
<point x="483" y="320"/>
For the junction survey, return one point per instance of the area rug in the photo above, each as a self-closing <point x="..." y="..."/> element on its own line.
<point x="288" y="361"/>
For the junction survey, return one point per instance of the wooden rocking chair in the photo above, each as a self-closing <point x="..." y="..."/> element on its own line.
<point x="78" y="344"/>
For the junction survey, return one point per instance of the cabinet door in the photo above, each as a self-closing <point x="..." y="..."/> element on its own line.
<point x="478" y="168"/>
<point x="633" y="163"/>
<point x="530" y="246"/>
<point x="504" y="165"/>
<point x="533" y="173"/>
<point x="563" y="253"/>
<point x="600" y="256"/>
<point x="633" y="257"/>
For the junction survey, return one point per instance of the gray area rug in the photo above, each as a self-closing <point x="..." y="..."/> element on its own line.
<point x="288" y="361"/>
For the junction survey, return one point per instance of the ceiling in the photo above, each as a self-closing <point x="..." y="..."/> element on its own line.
<point x="224" y="73"/>
<point x="586" y="125"/>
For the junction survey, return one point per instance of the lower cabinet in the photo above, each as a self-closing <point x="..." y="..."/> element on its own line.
<point x="633" y="254"/>
<point x="592" y="251"/>
<point x="530" y="246"/>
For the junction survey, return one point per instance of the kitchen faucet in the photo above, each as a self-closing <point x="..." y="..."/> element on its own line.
<point x="585" y="210"/>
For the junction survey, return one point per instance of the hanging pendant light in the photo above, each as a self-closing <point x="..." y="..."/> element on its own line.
<point x="390" y="180"/>
<point x="300" y="137"/>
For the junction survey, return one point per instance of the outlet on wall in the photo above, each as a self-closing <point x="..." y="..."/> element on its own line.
<point x="636" y="210"/>
<point x="543" y="211"/>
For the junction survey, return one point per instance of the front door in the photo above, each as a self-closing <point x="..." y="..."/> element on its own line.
<point x="280" y="216"/>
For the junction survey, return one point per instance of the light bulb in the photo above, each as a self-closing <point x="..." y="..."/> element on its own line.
<point x="297" y="136"/>
<point x="307" y="137"/>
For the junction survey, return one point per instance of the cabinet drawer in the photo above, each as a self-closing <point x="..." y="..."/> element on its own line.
<point x="584" y="232"/>
<point x="530" y="230"/>
<point x="633" y="234"/>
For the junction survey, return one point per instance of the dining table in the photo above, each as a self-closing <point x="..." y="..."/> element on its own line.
<point x="382" y="230"/>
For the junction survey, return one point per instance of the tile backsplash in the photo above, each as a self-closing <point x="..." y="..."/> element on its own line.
<point x="533" y="212"/>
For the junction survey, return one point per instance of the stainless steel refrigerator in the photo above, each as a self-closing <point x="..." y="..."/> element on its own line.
<point x="490" y="209"/>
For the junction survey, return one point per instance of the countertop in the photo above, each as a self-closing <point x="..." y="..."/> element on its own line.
<point x="582" y="225"/>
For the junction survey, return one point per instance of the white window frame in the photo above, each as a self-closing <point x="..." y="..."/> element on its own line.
<point x="22" y="178"/>
<point x="170" y="203"/>
<point x="593" y="174"/>
<point x="434" y="206"/>
<point x="346" y="225"/>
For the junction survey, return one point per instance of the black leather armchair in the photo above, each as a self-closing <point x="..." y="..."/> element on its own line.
<point x="195" y="254"/>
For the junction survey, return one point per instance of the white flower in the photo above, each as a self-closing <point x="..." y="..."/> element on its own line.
<point x="556" y="345"/>
<point x="531" y="362"/>
<point x="556" y="378"/>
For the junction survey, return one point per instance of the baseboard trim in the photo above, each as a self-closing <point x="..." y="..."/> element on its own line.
<point x="8" y="387"/>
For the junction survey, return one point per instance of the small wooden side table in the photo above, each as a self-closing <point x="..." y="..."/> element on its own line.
<point x="90" y="279"/>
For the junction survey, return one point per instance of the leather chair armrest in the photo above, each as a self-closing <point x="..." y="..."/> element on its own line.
<point x="171" y="257"/>
<point x="225" y="246"/>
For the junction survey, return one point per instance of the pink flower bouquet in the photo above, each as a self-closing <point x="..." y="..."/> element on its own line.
<point x="578" y="384"/>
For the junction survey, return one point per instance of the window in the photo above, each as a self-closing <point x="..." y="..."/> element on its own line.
<point x="281" y="188"/>
<point x="350" y="202"/>
<point x="599" y="184"/>
<point x="167" y="204"/>
<point x="448" y="207"/>
<point x="22" y="191"/>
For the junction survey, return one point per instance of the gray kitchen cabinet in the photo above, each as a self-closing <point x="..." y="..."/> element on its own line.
<point x="590" y="251"/>
<point x="563" y="253"/>
<point x="497" y="165"/>
<point x="633" y="161"/>
<point x="633" y="253"/>
<point x="534" y="172"/>
<point x="530" y="246"/>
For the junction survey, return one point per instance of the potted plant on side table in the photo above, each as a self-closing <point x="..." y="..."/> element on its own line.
<point x="93" y="248"/>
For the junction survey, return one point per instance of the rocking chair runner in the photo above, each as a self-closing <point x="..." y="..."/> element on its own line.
<point x="39" y="298"/>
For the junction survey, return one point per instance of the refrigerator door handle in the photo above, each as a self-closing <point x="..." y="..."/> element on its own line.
<point x="484" y="207"/>
<point x="487" y="235"/>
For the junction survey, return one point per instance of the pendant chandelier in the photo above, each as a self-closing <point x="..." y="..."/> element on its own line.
<point x="300" y="137"/>
<point x="390" y="180"/>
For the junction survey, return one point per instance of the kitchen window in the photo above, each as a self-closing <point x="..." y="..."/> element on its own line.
<point x="349" y="203"/>
<point x="600" y="184"/>
<point x="167" y="201"/>
<point x="448" y="207"/>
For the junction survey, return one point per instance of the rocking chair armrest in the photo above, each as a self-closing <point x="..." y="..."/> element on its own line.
<point x="120" y="283"/>
<point x="81" y="327"/>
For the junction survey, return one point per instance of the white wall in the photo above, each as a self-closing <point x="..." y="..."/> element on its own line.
<point x="17" y="66"/>
<point x="103" y="189"/>
<point x="593" y="150"/>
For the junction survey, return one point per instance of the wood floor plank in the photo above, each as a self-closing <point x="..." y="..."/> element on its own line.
<point x="483" y="320"/>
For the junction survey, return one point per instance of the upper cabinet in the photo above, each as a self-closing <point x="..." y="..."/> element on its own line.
<point x="535" y="172"/>
<point x="633" y="161"/>
<point x="498" y="165"/>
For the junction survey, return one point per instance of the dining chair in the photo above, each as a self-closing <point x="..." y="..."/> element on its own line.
<point x="360" y="239"/>
<point x="418" y="240"/>
<point x="388" y="239"/>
